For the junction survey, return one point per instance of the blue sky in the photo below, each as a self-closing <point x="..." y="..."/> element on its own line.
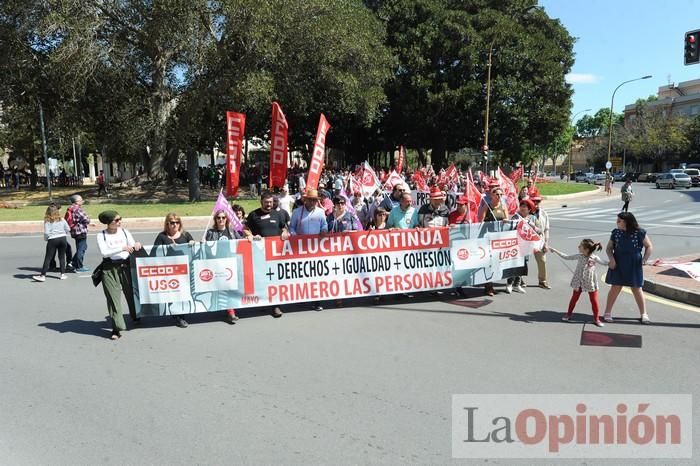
<point x="618" y="40"/>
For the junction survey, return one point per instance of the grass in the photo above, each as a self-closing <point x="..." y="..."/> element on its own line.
<point x="554" y="189"/>
<point x="184" y="209"/>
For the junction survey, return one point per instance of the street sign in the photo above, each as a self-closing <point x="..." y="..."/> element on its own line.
<point x="608" y="164"/>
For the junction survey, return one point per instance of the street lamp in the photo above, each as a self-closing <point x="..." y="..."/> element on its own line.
<point x="571" y="143"/>
<point x="612" y="100"/>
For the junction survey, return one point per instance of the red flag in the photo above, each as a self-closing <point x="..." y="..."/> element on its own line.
<point x="451" y="173"/>
<point x="510" y="191"/>
<point x="515" y="175"/>
<point x="421" y="185"/>
<point x="399" y="165"/>
<point x="235" y="129"/>
<point x="473" y="200"/>
<point x="278" y="147"/>
<point x="317" y="159"/>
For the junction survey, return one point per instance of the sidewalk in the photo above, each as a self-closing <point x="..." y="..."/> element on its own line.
<point x="670" y="283"/>
<point x="34" y="227"/>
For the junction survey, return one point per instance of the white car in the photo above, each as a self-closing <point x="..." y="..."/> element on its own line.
<point x="599" y="179"/>
<point x="671" y="180"/>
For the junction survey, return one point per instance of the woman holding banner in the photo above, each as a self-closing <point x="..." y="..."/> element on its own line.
<point x="116" y="246"/>
<point x="173" y="234"/>
<point x="493" y="210"/>
<point x="222" y="230"/>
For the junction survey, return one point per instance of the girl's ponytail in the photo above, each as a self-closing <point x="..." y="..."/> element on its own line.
<point x="591" y="246"/>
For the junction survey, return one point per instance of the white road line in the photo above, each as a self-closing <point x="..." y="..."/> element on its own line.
<point x="686" y="219"/>
<point x="644" y="225"/>
<point x="580" y="211"/>
<point x="594" y="213"/>
<point x="656" y="216"/>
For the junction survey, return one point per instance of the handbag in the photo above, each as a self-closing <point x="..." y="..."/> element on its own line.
<point x="97" y="275"/>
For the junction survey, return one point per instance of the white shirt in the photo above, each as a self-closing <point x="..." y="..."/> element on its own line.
<point x="111" y="245"/>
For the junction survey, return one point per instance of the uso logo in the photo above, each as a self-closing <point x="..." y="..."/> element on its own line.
<point x="163" y="285"/>
<point x="206" y="275"/>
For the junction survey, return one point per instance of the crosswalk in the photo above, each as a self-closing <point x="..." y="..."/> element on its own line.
<point x="658" y="216"/>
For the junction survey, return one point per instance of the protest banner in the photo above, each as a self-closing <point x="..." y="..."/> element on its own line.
<point x="278" y="147"/>
<point x="235" y="130"/>
<point x="219" y="275"/>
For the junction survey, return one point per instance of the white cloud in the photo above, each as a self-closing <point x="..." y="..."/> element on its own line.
<point x="582" y="78"/>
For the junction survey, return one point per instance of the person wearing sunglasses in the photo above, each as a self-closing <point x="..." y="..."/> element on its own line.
<point x="221" y="230"/>
<point x="341" y="219"/>
<point x="174" y="233"/>
<point x="116" y="246"/>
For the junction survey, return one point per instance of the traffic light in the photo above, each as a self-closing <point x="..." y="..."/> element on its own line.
<point x="692" y="52"/>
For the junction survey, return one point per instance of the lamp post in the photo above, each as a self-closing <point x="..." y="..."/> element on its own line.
<point x="571" y="144"/>
<point x="612" y="100"/>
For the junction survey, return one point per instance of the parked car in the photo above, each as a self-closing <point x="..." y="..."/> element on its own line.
<point x="653" y="177"/>
<point x="599" y="179"/>
<point x="590" y="177"/>
<point x="671" y="180"/>
<point x="582" y="177"/>
<point x="676" y="170"/>
<point x="619" y="176"/>
<point x="694" y="175"/>
<point x="643" y="177"/>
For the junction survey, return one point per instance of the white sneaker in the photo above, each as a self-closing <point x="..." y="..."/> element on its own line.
<point x="565" y="317"/>
<point x="63" y="276"/>
<point x="520" y="289"/>
<point x="509" y="288"/>
<point x="39" y="278"/>
<point x="598" y="323"/>
<point x="607" y="317"/>
<point x="645" y="319"/>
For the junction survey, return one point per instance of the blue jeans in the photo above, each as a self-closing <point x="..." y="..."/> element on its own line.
<point x="80" y="248"/>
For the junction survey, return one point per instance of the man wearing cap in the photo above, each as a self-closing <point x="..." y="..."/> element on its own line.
<point x="402" y="215"/>
<point x="461" y="213"/>
<point x="310" y="218"/>
<point x="542" y="224"/>
<point x="433" y="214"/>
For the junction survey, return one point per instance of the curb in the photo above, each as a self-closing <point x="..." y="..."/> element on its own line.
<point x="574" y="195"/>
<point x="672" y="292"/>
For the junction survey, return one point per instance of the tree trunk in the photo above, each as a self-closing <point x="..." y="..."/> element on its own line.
<point x="163" y="106"/>
<point x="421" y="157"/>
<point x="193" y="175"/>
<point x="438" y="157"/>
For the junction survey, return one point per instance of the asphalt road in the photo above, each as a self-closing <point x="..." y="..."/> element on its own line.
<point x="361" y="384"/>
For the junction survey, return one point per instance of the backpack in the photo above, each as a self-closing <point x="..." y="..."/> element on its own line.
<point x="69" y="217"/>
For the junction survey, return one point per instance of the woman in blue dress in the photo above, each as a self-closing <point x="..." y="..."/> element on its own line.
<point x="626" y="260"/>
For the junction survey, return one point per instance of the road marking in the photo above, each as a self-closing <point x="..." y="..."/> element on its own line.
<point x="685" y="219"/>
<point x="646" y="225"/>
<point x="657" y="216"/>
<point x="650" y="297"/>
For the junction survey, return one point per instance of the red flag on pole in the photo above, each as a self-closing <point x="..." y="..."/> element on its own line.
<point x="515" y="175"/>
<point x="399" y="164"/>
<point x="509" y="190"/>
<point x="316" y="165"/>
<point x="278" y="147"/>
<point x="473" y="200"/>
<point x="235" y="130"/>
<point x="421" y="185"/>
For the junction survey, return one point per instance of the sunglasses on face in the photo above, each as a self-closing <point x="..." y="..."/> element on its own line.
<point x="118" y="219"/>
<point x="172" y="223"/>
<point x="221" y="218"/>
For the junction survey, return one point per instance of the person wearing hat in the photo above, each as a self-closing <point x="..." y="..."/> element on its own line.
<point x="341" y="219"/>
<point x="310" y="218"/>
<point x="116" y="245"/>
<point x="524" y="213"/>
<point x="462" y="213"/>
<point x="433" y="214"/>
<point x="541" y="220"/>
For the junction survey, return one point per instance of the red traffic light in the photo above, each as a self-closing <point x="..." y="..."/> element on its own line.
<point x="691" y="39"/>
<point x="692" y="52"/>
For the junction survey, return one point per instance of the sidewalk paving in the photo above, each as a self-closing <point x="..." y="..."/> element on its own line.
<point x="673" y="284"/>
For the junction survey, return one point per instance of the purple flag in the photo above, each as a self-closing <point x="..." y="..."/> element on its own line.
<point x="222" y="204"/>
